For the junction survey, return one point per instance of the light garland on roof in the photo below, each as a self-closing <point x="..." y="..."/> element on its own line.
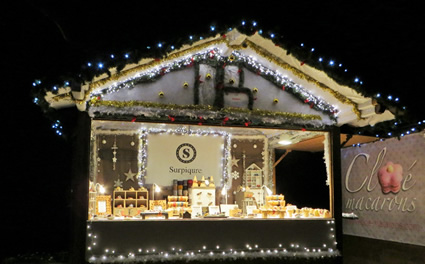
<point x="155" y="62"/>
<point x="343" y="99"/>
<point x="212" y="56"/>
<point x="217" y="36"/>
<point x="158" y="71"/>
<point x="286" y="83"/>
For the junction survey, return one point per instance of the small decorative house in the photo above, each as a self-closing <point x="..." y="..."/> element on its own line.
<point x="253" y="176"/>
<point x="153" y="126"/>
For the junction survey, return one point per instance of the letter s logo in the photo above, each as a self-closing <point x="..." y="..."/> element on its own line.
<point x="186" y="153"/>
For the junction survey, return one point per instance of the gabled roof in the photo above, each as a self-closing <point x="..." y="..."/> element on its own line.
<point x="278" y="75"/>
<point x="253" y="166"/>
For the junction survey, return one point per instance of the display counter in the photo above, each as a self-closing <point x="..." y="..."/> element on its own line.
<point x="189" y="237"/>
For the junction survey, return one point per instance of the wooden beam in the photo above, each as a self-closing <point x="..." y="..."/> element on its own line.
<point x="281" y="157"/>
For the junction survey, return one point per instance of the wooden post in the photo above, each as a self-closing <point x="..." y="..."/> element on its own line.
<point x="79" y="191"/>
<point x="335" y="185"/>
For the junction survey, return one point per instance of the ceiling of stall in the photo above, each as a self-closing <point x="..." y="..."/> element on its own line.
<point x="316" y="143"/>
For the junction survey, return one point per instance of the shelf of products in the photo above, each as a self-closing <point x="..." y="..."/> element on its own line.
<point x="199" y="203"/>
<point x="130" y="202"/>
<point x="177" y="205"/>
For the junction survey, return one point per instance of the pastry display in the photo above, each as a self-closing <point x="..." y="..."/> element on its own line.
<point x="135" y="203"/>
<point x="276" y="207"/>
<point x="178" y="198"/>
<point x="177" y="205"/>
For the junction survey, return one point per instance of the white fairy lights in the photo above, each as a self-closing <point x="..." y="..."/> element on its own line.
<point x="157" y="71"/>
<point x="282" y="80"/>
<point x="207" y="254"/>
<point x="101" y="66"/>
<point x="215" y="252"/>
<point x="277" y="78"/>
<point x="58" y="127"/>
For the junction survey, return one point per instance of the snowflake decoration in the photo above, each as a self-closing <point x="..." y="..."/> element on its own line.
<point x="235" y="175"/>
<point x="118" y="183"/>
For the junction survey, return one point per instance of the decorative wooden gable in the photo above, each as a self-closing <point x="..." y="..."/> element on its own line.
<point x="231" y="77"/>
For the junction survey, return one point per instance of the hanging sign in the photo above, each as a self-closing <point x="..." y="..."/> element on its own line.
<point x="181" y="157"/>
<point x="383" y="184"/>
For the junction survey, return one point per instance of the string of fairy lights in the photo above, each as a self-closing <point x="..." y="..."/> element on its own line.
<point x="207" y="253"/>
<point x="156" y="72"/>
<point x="214" y="56"/>
<point x="284" y="81"/>
<point x="390" y="129"/>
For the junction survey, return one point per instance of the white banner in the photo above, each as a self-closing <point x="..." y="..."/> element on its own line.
<point x="181" y="157"/>
<point x="383" y="183"/>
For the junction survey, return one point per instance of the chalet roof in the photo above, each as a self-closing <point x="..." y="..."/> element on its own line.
<point x="333" y="103"/>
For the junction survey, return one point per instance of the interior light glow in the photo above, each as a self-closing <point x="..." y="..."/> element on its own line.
<point x="285" y="142"/>
<point x="101" y="189"/>
<point x="223" y="191"/>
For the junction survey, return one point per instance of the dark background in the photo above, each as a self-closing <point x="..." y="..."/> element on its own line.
<point x="302" y="185"/>
<point x="382" y="42"/>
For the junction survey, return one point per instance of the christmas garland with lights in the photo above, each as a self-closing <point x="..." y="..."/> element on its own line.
<point x="163" y="49"/>
<point x="139" y="111"/>
<point x="306" y="55"/>
<point x="214" y="59"/>
<point x="227" y="110"/>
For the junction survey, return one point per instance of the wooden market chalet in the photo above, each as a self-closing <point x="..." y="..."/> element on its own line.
<point x="242" y="97"/>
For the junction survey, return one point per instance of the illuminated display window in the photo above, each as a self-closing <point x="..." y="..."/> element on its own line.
<point x="152" y="171"/>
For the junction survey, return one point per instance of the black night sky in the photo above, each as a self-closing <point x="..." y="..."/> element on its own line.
<point x="380" y="41"/>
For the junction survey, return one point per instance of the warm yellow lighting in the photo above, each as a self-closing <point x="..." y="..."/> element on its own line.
<point x="100" y="189"/>
<point x="157" y="188"/>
